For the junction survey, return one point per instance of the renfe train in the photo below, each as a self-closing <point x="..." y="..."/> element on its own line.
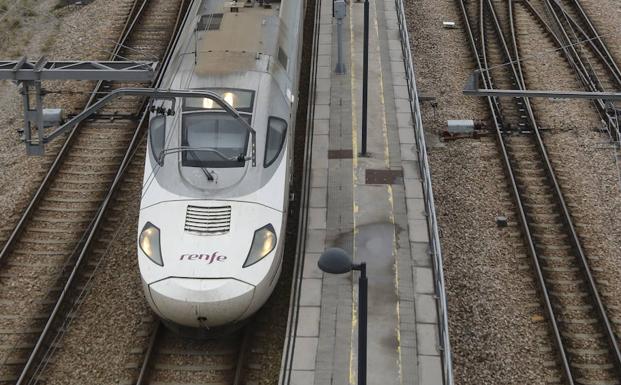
<point x="216" y="187"/>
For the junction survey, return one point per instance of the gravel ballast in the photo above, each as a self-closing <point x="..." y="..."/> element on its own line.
<point x="37" y="28"/>
<point x="114" y="316"/>
<point x="497" y="329"/>
<point x="106" y="339"/>
<point x="583" y="159"/>
<point x="605" y="15"/>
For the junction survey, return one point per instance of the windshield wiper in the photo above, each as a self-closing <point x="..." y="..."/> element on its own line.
<point x="208" y="174"/>
<point x="241" y="158"/>
<point x="238" y="158"/>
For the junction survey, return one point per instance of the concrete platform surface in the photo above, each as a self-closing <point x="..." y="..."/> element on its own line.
<point x="381" y="222"/>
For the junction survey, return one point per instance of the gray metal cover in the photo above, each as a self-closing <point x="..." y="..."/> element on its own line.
<point x="460" y="126"/>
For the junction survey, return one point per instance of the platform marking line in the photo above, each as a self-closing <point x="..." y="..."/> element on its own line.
<point x="381" y="90"/>
<point x="354" y="139"/>
<point x="389" y="191"/>
<point x="397" y="311"/>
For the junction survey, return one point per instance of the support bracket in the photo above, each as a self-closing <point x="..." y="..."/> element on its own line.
<point x="470" y="89"/>
<point x="30" y="74"/>
<point x="154" y="94"/>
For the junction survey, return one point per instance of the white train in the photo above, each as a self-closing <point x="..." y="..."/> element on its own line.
<point x="213" y="208"/>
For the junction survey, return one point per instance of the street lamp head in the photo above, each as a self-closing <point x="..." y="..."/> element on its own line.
<point x="335" y="261"/>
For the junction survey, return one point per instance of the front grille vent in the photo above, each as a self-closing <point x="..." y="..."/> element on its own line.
<point x="208" y="220"/>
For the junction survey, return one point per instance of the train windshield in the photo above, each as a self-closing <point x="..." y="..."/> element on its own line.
<point x="241" y="100"/>
<point x="213" y="139"/>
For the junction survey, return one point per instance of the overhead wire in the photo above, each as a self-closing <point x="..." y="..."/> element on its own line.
<point x="185" y="83"/>
<point x="598" y="84"/>
<point x="10" y="9"/>
<point x="154" y="57"/>
<point x="77" y="304"/>
<point x="541" y="54"/>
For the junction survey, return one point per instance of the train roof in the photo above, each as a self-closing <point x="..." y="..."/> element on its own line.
<point x="234" y="41"/>
<point x="234" y="37"/>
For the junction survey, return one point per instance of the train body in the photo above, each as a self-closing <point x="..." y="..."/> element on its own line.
<point x="214" y="201"/>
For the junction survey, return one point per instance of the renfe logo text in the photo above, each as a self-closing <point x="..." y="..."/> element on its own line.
<point x="203" y="257"/>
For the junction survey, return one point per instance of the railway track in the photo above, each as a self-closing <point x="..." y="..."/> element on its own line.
<point x="585" y="50"/>
<point x="586" y="346"/>
<point x="164" y="356"/>
<point x="46" y="252"/>
<point x="247" y="357"/>
<point x="169" y="358"/>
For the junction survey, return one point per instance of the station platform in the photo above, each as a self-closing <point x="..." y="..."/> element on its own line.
<point x="374" y="207"/>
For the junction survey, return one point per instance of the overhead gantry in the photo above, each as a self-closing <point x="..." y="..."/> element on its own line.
<point x="30" y="74"/>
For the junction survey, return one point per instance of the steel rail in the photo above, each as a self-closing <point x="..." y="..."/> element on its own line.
<point x="93" y="227"/>
<point x="575" y="242"/>
<point x="239" y="377"/>
<point x="286" y="366"/>
<point x="565" y="362"/>
<point x="47" y="179"/>
<point x="129" y="26"/>
<point x="133" y="14"/>
<point x="593" y="42"/>
<point x="574" y="239"/>
<point x="572" y="57"/>
<point x="589" y="82"/>
<point x="148" y="355"/>
<point x="612" y="63"/>
<point x="157" y="334"/>
<point x="567" y="220"/>
<point x="586" y="71"/>
<point x="481" y="60"/>
<point x="563" y="47"/>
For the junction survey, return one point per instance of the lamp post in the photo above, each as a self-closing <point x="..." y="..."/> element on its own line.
<point x="340" y="11"/>
<point x="337" y="261"/>
<point x="365" y="78"/>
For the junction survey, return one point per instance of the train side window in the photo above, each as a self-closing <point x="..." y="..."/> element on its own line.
<point x="157" y="137"/>
<point x="282" y="58"/>
<point x="276" y="135"/>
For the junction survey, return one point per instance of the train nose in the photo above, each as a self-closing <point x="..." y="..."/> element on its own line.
<point x="197" y="302"/>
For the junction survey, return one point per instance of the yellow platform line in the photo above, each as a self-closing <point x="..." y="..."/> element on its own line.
<point x="389" y="191"/>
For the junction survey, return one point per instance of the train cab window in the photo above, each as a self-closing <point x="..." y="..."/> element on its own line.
<point x="157" y="137"/>
<point x="276" y="135"/>
<point x="213" y="139"/>
<point x="241" y="100"/>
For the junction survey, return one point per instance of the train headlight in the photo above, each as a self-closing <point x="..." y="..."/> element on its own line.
<point x="150" y="243"/>
<point x="263" y="243"/>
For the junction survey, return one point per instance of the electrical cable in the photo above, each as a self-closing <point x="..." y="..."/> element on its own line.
<point x="541" y="54"/>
